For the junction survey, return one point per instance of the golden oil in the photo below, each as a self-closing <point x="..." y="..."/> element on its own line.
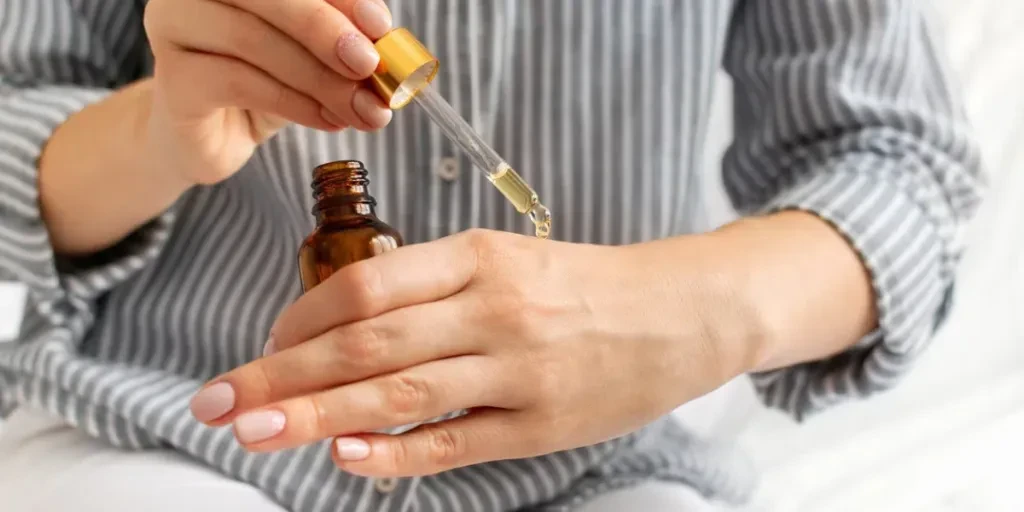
<point x="541" y="217"/>
<point x="523" y="198"/>
<point x="514" y="188"/>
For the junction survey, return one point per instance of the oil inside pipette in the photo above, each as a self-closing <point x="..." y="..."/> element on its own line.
<point x="522" y="197"/>
<point x="483" y="156"/>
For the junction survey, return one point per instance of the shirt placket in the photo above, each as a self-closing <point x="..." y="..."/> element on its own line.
<point x="480" y="29"/>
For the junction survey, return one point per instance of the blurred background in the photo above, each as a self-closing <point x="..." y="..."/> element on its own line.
<point x="950" y="438"/>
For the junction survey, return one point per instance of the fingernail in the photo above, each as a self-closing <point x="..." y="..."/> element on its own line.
<point x="372" y="18"/>
<point x="331" y="118"/>
<point x="352" y="449"/>
<point x="213" y="402"/>
<point x="357" y="52"/>
<point x="253" y="427"/>
<point x="369" y="108"/>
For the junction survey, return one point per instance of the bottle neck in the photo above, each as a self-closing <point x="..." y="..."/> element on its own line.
<point x="341" y="192"/>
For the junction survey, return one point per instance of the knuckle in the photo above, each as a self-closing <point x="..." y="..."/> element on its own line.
<point x="491" y="251"/>
<point x="481" y="240"/>
<point x="407" y="395"/>
<point x="445" y="447"/>
<point x="256" y="383"/>
<point x="398" y="458"/>
<point x="365" y="287"/>
<point x="318" y="416"/>
<point x="360" y="342"/>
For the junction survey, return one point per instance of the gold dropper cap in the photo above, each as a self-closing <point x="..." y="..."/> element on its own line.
<point x="406" y="67"/>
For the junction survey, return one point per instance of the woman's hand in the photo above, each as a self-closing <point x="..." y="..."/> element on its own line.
<point x="549" y="345"/>
<point x="230" y="73"/>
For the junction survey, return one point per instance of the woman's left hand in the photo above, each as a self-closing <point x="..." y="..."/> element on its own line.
<point x="549" y="345"/>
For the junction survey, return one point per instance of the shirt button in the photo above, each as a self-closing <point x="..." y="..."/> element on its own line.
<point x="385" y="485"/>
<point x="448" y="169"/>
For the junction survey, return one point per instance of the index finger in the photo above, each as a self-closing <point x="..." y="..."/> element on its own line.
<point x="325" y="31"/>
<point x="411" y="275"/>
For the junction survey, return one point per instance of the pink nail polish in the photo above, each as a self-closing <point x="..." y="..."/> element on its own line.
<point x="351" y="449"/>
<point x="368" y="107"/>
<point x="373" y="19"/>
<point x="213" y="402"/>
<point x="358" y="54"/>
<point x="253" y="427"/>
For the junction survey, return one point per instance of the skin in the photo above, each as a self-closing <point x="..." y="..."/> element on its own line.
<point x="545" y="342"/>
<point x="118" y="163"/>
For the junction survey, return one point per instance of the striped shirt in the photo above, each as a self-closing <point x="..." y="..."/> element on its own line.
<point x="843" y="108"/>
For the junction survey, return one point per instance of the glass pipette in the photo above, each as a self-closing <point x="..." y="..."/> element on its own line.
<point x="483" y="156"/>
<point x="404" y="74"/>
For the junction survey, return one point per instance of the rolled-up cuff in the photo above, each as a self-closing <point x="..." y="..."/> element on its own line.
<point x="903" y="252"/>
<point x="62" y="292"/>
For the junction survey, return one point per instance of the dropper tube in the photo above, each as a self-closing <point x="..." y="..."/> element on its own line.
<point x="483" y="156"/>
<point x="405" y="73"/>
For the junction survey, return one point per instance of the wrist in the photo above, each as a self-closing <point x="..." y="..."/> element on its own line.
<point x="746" y="320"/>
<point x="698" y="288"/>
<point x="98" y="180"/>
<point x="801" y="287"/>
<point x="153" y="152"/>
<point x="736" y="316"/>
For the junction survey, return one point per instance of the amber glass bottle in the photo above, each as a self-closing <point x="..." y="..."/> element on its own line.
<point x="347" y="228"/>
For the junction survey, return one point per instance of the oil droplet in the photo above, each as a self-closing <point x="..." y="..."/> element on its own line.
<point x="541" y="218"/>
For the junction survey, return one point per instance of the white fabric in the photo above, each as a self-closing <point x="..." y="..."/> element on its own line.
<point x="12" y="300"/>
<point x="652" y="497"/>
<point x="50" y="467"/>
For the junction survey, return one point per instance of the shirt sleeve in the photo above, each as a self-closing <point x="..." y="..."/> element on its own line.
<point x="846" y="109"/>
<point x="56" y="58"/>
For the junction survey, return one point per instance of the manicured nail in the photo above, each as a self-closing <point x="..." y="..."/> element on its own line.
<point x="357" y="52"/>
<point x="352" y="449"/>
<point x="253" y="427"/>
<point x="370" y="109"/>
<point x="331" y="118"/>
<point x="372" y="18"/>
<point x="213" y="402"/>
<point x="269" y="347"/>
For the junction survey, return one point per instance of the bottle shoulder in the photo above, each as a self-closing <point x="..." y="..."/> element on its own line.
<point x="355" y="229"/>
<point x="343" y="243"/>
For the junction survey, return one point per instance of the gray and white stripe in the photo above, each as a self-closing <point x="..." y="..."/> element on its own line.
<point x="842" y="109"/>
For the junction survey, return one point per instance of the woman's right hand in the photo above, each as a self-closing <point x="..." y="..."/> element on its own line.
<point x="230" y="73"/>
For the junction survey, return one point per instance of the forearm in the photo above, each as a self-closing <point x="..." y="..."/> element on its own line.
<point x="767" y="291"/>
<point x="807" y="291"/>
<point x="96" y="181"/>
